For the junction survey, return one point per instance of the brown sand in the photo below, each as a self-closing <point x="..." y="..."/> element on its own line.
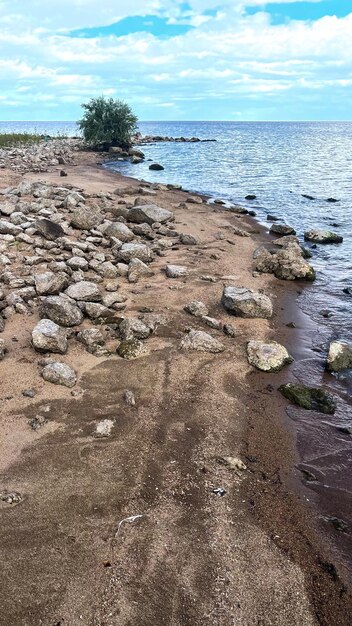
<point x="249" y="558"/>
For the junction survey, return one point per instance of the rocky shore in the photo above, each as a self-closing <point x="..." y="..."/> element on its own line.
<point x="140" y="345"/>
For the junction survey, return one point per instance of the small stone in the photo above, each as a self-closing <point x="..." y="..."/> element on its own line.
<point x="232" y="463"/>
<point x="134" y="327"/>
<point x="244" y="302"/>
<point x="131" y="349"/>
<point x="92" y="338"/>
<point x="12" y="497"/>
<point x="229" y="330"/>
<point x="137" y="269"/>
<point x="84" y="290"/>
<point x="129" y="398"/>
<point x="176" y="271"/>
<point x="49" y="337"/>
<point x="196" y="308"/>
<point x="28" y="393"/>
<point x="201" y="341"/>
<point x="59" y="374"/>
<point x="188" y="240"/>
<point x="211" y="322"/>
<point x="267" y="356"/>
<point x="2" y="349"/>
<point x="104" y="428"/>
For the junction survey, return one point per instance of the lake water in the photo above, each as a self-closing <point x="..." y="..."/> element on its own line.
<point x="278" y="162"/>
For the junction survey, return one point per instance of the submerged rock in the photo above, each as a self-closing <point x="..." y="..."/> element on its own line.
<point x="59" y="374"/>
<point x="310" y="398"/>
<point x="322" y="236"/>
<point x="201" y="341"/>
<point x="267" y="356"/>
<point x="244" y="302"/>
<point x="156" y="166"/>
<point x="339" y="356"/>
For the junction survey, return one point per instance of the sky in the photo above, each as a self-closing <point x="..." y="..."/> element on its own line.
<point x="236" y="60"/>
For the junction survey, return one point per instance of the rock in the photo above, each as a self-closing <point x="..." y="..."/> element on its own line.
<point x="244" y="302"/>
<point x="194" y="200"/>
<point x="229" y="330"/>
<point x="61" y="310"/>
<point x="176" y="271"/>
<point x="282" y="242"/>
<point x="134" y="327"/>
<point x="202" y="342"/>
<point x="282" y="229"/>
<point x="104" y="428"/>
<point x="339" y="356"/>
<point x="131" y="349"/>
<point x="137" y="269"/>
<point x="149" y="214"/>
<point x="232" y="463"/>
<point x="211" y="322"/>
<point x="267" y="356"/>
<point x="92" y="338"/>
<point x="59" y="374"/>
<point x="139" y="251"/>
<point x="188" y="240"/>
<point x="322" y="236"/>
<point x="49" y="337"/>
<point x="196" y="308"/>
<point x="286" y="264"/>
<point x="84" y="290"/>
<point x="50" y="230"/>
<point x="107" y="270"/>
<point x="156" y="166"/>
<point x="332" y="200"/>
<point x="309" y="398"/>
<point x="99" y="312"/>
<point x="251" y="196"/>
<point x="129" y="398"/>
<point x="120" y="231"/>
<point x="85" y="219"/>
<point x="7" y="228"/>
<point x="50" y="283"/>
<point x="78" y="263"/>
<point x="2" y="349"/>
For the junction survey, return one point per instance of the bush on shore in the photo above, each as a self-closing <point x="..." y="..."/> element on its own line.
<point x="10" y="140"/>
<point x="107" y="122"/>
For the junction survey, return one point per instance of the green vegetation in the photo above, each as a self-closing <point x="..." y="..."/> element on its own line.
<point x="107" y="122"/>
<point x="10" y="140"/>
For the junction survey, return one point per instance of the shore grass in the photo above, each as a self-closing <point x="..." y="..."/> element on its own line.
<point x="10" y="140"/>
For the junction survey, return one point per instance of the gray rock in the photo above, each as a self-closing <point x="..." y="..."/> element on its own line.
<point x="78" y="263"/>
<point x="85" y="219"/>
<point x="104" y="428"/>
<point x="196" y="308"/>
<point x="7" y="228"/>
<point x="107" y="270"/>
<point x="137" y="269"/>
<point x="244" y="302"/>
<point x="92" y="338"/>
<point x="202" y="342"/>
<point x="176" y="271"/>
<point x="282" y="229"/>
<point x="59" y="374"/>
<point x="286" y="264"/>
<point x="322" y="236"/>
<point x="212" y="322"/>
<point x="131" y="349"/>
<point x="156" y="167"/>
<point x="339" y="356"/>
<point x="149" y="213"/>
<point x="84" y="290"/>
<point x="267" y="356"/>
<point x="134" y="327"/>
<point x="50" y="283"/>
<point x="188" y="240"/>
<point x="97" y="311"/>
<point x="61" y="311"/>
<point x="135" y="251"/>
<point x="49" y="337"/>
<point x="49" y="229"/>
<point x="129" y="398"/>
<point x="120" y="231"/>
<point x="2" y="349"/>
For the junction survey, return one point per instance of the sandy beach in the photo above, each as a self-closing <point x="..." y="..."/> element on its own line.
<point x="150" y="524"/>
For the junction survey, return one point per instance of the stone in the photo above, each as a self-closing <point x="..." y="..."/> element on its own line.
<point x="133" y="327"/>
<point x="104" y="428"/>
<point x="194" y="200"/>
<point x="176" y="271"/>
<point x="212" y="322"/>
<point x="7" y="228"/>
<point x="139" y="251"/>
<point x="156" y="166"/>
<point x="282" y="229"/>
<point x="322" y="236"/>
<point x="99" y="312"/>
<point x="137" y="269"/>
<point x="229" y="330"/>
<point x="131" y="349"/>
<point x="49" y="229"/>
<point x="50" y="283"/>
<point x="59" y="374"/>
<point x="149" y="214"/>
<point x="232" y="463"/>
<point x="107" y="270"/>
<point x="286" y="264"/>
<point x="244" y="302"/>
<point x="202" y="342"/>
<point x="92" y="338"/>
<point x="2" y="349"/>
<point x="196" y="308"/>
<point x="84" y="290"/>
<point x="49" y="337"/>
<point x="61" y="311"/>
<point x="267" y="356"/>
<point x="310" y="398"/>
<point x="120" y="231"/>
<point x="78" y="263"/>
<point x="339" y="356"/>
<point x="85" y="219"/>
<point x="283" y="241"/>
<point x="188" y="240"/>
<point x="129" y="398"/>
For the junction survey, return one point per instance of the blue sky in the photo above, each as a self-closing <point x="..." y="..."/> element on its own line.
<point x="176" y="60"/>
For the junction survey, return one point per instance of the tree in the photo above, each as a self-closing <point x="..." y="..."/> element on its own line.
<point x="108" y="122"/>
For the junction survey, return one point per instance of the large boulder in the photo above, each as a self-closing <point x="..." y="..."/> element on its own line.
<point x="61" y="311"/>
<point x="49" y="337"/>
<point x="339" y="356"/>
<point x="286" y="264"/>
<point x="50" y="283"/>
<point x="85" y="219"/>
<point x="129" y="251"/>
<point x="244" y="302"/>
<point x="322" y="236"/>
<point x="149" y="213"/>
<point x="85" y="291"/>
<point x="267" y="356"/>
<point x="202" y="342"/>
<point x="49" y="229"/>
<point x="59" y="374"/>
<point x="310" y="398"/>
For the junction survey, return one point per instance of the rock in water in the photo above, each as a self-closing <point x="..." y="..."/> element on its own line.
<point x="59" y="374"/>
<point x="201" y="341"/>
<point x="267" y="356"/>
<point x="244" y="302"/>
<point x="310" y="398"/>
<point x="322" y="236"/>
<point x="287" y="264"/>
<point x="49" y="337"/>
<point x="339" y="356"/>
<point x="156" y="166"/>
<point x="149" y="214"/>
<point x="282" y="229"/>
<point x="50" y="230"/>
<point x="61" y="311"/>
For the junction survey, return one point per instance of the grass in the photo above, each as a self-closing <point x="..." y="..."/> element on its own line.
<point x="9" y="140"/>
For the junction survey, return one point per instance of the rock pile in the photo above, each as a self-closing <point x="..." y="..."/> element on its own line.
<point x="41" y="156"/>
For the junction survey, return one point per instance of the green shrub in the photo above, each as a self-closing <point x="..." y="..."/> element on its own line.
<point x="10" y="140"/>
<point x="107" y="122"/>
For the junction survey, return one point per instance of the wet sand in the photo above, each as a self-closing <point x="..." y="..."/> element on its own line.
<point x="251" y="557"/>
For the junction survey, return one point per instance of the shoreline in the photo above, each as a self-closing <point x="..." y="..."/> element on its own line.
<point x="262" y="494"/>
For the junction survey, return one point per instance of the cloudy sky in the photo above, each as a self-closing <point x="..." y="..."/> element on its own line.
<point x="176" y="59"/>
